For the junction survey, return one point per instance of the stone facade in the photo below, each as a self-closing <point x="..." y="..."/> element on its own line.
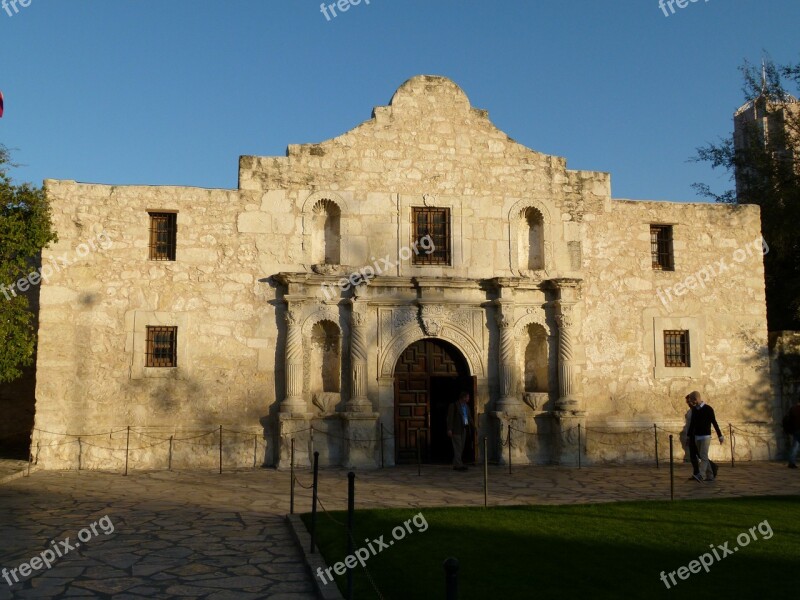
<point x="298" y="297"/>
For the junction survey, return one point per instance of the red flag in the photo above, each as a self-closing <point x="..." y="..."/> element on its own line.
<point x="1" y="104"/>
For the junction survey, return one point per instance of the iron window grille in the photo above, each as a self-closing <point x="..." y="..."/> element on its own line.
<point x="433" y="222"/>
<point x="676" y="348"/>
<point x="163" y="235"/>
<point x="162" y="347"/>
<point x="661" y="247"/>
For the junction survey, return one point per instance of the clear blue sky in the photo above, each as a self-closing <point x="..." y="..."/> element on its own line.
<point x="158" y="92"/>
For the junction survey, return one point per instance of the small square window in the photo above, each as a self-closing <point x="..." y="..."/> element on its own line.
<point x="433" y="222"/>
<point x="163" y="235"/>
<point x="661" y="247"/>
<point x="676" y="348"/>
<point x="162" y="347"/>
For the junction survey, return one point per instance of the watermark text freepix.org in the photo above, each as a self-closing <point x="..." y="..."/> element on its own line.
<point x="704" y="561"/>
<point x="699" y="279"/>
<point x="663" y="4"/>
<point x="46" y="558"/>
<point x="365" y="274"/>
<point x="8" y="5"/>
<point x="47" y="270"/>
<point x="374" y="547"/>
<point x="342" y="5"/>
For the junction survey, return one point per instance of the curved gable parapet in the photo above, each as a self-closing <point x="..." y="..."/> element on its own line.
<point x="429" y="94"/>
<point x="428" y="128"/>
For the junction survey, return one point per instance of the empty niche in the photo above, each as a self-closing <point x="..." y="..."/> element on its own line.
<point x="531" y="240"/>
<point x="325" y="233"/>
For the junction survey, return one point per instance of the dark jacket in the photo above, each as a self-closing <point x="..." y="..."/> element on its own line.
<point x="794" y="418"/>
<point x="702" y="420"/>
<point x="454" y="421"/>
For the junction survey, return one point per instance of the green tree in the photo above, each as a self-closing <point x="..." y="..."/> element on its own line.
<point x="25" y="228"/>
<point x="763" y="159"/>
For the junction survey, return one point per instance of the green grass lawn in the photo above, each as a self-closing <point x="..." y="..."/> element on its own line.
<point x="588" y="551"/>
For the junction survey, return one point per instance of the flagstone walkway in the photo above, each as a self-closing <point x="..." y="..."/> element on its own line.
<point x="205" y="535"/>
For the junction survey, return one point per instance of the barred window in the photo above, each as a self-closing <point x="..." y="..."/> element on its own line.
<point x="162" y="347"/>
<point x="433" y="222"/>
<point x="163" y="235"/>
<point x="676" y="348"/>
<point x="661" y="247"/>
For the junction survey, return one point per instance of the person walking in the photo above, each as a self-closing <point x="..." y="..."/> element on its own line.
<point x="459" y="422"/>
<point x="703" y="418"/>
<point x="793" y="419"/>
<point x="689" y="443"/>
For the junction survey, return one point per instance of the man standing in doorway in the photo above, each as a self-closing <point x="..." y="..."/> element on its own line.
<point x="459" y="422"/>
<point x="700" y="429"/>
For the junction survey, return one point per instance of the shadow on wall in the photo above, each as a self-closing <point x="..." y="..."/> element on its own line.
<point x="18" y="397"/>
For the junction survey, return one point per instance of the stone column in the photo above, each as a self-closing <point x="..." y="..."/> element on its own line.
<point x="569" y="411"/>
<point x="507" y="360"/>
<point x="294" y="401"/>
<point x="567" y="384"/>
<point x="359" y="402"/>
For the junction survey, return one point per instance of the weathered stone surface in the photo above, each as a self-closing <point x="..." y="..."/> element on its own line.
<point x="264" y="278"/>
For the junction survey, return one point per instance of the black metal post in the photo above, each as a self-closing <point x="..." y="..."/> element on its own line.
<point x="220" y="449"/>
<point x="419" y="457"/>
<point x="314" y="502"/>
<point x="485" y="473"/>
<point x="291" y="475"/>
<point x="451" y="578"/>
<point x="655" y="435"/>
<point x="509" y="448"/>
<point x="169" y="459"/>
<point x="579" y="445"/>
<point x="671" y="470"/>
<point x="730" y="430"/>
<point x="255" y="450"/>
<point x="127" y="448"/>
<point x="351" y="509"/>
<point x="80" y="452"/>
<point x="381" y="445"/>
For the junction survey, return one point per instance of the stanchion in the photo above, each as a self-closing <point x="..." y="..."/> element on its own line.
<point x="671" y="471"/>
<point x="127" y="448"/>
<point x="485" y="474"/>
<point x="351" y="509"/>
<point x="80" y="452"/>
<point x="255" y="451"/>
<point x="730" y="429"/>
<point x="314" y="502"/>
<point x="169" y="458"/>
<point x="220" y="449"/>
<point x="419" y="457"/>
<point x="509" y="448"/>
<point x="579" y="445"/>
<point x="30" y="460"/>
<point x="291" y="475"/>
<point x="655" y="434"/>
<point x="381" y="445"/>
<point x="451" y="578"/>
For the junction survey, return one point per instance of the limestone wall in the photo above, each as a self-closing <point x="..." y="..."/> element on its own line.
<point x="90" y="309"/>
<point x="429" y="147"/>
<point x="716" y="291"/>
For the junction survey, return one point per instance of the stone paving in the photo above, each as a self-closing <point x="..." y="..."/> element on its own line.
<point x="205" y="535"/>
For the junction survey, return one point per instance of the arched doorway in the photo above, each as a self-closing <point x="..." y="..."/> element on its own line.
<point x="427" y="378"/>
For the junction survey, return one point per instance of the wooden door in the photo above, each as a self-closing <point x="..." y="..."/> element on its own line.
<point x="412" y="387"/>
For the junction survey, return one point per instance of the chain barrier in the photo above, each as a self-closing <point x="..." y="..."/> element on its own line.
<point x="305" y="487"/>
<point x="593" y="436"/>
